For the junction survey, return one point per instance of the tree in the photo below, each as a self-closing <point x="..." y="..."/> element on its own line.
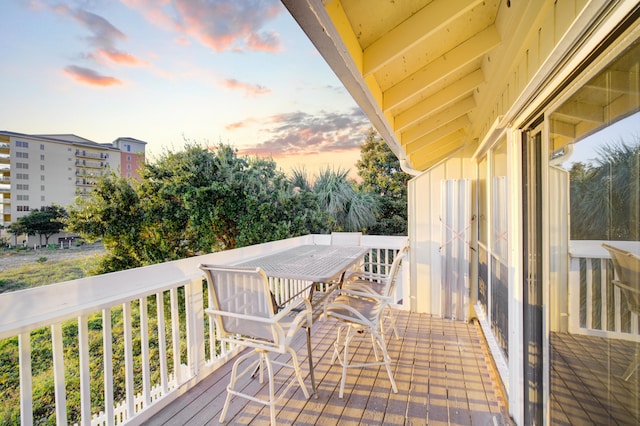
<point x="46" y="221"/>
<point x="381" y="175"/>
<point x="339" y="197"/>
<point x="605" y="195"/>
<point x="194" y="201"/>
<point x="16" y="228"/>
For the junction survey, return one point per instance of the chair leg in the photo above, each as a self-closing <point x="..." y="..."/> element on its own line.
<point x="392" y="320"/>
<point x="345" y="361"/>
<point x="272" y="403"/>
<point x="298" y="373"/>
<point x="336" y="345"/>
<point x="232" y="383"/>
<point x="387" y="360"/>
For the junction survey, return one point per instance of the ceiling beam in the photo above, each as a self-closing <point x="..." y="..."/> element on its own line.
<point x="581" y="111"/>
<point x="419" y="82"/>
<point x="451" y="127"/>
<point x="438" y="120"/>
<point x="438" y="100"/>
<point x="440" y="150"/>
<point x="562" y="128"/>
<point x="423" y="24"/>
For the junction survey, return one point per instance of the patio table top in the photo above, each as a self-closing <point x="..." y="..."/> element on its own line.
<point x="318" y="263"/>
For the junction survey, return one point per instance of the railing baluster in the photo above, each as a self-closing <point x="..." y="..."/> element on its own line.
<point x="589" y="291"/>
<point x="604" y="299"/>
<point x="162" y="342"/>
<point x="26" y="385"/>
<point x="84" y="362"/>
<point x="195" y="325"/>
<point x="128" y="358"/>
<point x="108" y="365"/>
<point x="57" y="351"/>
<point x="175" y="335"/>
<point x="144" y="342"/>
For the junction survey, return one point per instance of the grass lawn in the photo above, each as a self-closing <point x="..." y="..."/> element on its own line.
<point x="43" y="271"/>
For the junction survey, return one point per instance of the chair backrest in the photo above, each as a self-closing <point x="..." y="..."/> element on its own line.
<point x="627" y="267"/>
<point x="346" y="238"/>
<point x="392" y="277"/>
<point x="243" y="292"/>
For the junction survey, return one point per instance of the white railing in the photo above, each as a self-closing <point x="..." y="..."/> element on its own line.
<point x="596" y="306"/>
<point x="145" y="326"/>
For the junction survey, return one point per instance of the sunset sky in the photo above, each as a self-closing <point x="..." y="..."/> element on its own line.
<point x="234" y="71"/>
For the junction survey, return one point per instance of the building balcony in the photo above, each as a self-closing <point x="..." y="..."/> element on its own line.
<point x="5" y="148"/>
<point x="91" y="164"/>
<point x="88" y="154"/>
<point x="161" y="364"/>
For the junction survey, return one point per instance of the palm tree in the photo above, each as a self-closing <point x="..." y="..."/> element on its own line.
<point x="605" y="196"/>
<point x="351" y="209"/>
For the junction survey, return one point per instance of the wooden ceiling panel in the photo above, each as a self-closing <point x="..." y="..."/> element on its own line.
<point x="436" y="18"/>
<point x="415" y="84"/>
<point x="433" y="122"/>
<point x="439" y="100"/>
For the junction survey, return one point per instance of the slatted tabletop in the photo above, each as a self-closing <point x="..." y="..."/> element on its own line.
<point x="318" y="263"/>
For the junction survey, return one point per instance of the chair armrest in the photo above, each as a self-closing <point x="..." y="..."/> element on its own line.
<point x="366" y="295"/>
<point x="364" y="275"/>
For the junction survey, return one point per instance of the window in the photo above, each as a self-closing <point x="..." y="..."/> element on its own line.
<point x="41" y="187"/>
<point x="41" y="147"/>
<point x="22" y="165"/>
<point x="22" y="197"/>
<point x="20" y="154"/>
<point x="42" y="198"/>
<point x="593" y="198"/>
<point x="22" y="144"/>
<point x="41" y="157"/>
<point x="22" y="176"/>
<point x="22" y="186"/>
<point x="128" y="158"/>
<point x="128" y="166"/>
<point x="23" y="208"/>
<point x="42" y="177"/>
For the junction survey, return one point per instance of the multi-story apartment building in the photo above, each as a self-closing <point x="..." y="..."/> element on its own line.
<point x="41" y="170"/>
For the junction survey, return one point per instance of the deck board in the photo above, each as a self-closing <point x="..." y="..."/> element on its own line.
<point x="440" y="368"/>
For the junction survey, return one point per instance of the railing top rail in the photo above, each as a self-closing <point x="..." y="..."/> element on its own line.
<point x="26" y="310"/>
<point x="593" y="248"/>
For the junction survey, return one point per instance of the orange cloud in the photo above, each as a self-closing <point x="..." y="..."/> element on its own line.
<point x="248" y="89"/>
<point x="88" y="76"/>
<point x="241" y="124"/>
<point x="266" y="42"/>
<point x="120" y="57"/>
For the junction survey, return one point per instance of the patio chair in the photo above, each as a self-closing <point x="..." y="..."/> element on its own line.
<point x="241" y="305"/>
<point x="358" y="315"/>
<point x="379" y="280"/>
<point x="627" y="268"/>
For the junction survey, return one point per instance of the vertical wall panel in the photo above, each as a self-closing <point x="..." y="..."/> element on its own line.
<point x="454" y="248"/>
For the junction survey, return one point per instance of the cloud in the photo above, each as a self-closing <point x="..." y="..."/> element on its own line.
<point x="222" y="25"/>
<point x="89" y="76"/>
<point x="241" y="124"/>
<point x="251" y="90"/>
<point x="300" y="133"/>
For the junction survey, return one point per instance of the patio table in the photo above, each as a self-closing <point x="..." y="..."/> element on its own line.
<point x="313" y="263"/>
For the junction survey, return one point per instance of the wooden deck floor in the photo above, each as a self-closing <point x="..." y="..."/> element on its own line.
<point x="586" y="381"/>
<point x="441" y="370"/>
